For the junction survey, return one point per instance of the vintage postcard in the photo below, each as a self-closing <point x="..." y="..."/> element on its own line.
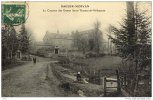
<point x="76" y="49"/>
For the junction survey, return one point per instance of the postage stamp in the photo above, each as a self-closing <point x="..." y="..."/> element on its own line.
<point x="13" y="13"/>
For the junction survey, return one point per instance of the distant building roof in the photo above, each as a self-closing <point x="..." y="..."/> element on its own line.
<point x="56" y="36"/>
<point x="90" y="33"/>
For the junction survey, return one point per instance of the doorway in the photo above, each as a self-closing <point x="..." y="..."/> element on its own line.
<point x="56" y="50"/>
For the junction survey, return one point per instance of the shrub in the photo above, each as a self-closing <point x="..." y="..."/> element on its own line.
<point x="63" y="60"/>
<point x="94" y="54"/>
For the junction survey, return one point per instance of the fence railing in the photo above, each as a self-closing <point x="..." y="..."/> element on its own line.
<point x="132" y="83"/>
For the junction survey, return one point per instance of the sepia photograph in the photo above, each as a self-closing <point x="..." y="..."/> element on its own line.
<point x="76" y="49"/>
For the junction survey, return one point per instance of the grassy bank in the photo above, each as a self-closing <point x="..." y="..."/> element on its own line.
<point x="13" y="64"/>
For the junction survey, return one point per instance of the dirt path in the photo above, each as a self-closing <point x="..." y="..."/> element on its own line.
<point x="29" y="81"/>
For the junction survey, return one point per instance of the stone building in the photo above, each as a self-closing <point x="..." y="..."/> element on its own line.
<point x="57" y="40"/>
<point x="92" y="38"/>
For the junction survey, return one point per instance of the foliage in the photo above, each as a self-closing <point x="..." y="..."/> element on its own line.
<point x="79" y="41"/>
<point x="12" y="41"/>
<point x="24" y="40"/>
<point x="9" y="41"/>
<point x="97" y="36"/>
<point x="90" y="40"/>
<point x="122" y="36"/>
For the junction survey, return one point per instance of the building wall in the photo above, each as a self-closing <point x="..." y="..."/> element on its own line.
<point x="90" y="34"/>
<point x="63" y="41"/>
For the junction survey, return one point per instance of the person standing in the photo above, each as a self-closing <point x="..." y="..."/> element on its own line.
<point x="34" y="60"/>
<point x="78" y="77"/>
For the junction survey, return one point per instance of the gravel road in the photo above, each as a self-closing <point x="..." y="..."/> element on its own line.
<point x="29" y="80"/>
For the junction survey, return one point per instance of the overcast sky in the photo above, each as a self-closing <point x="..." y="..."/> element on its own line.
<point x="39" y="22"/>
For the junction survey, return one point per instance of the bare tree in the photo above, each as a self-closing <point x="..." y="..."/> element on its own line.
<point x="24" y="40"/>
<point x="97" y="36"/>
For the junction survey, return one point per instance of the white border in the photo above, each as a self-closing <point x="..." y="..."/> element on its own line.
<point x="74" y="98"/>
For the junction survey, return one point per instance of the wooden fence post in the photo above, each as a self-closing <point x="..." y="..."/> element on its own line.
<point x="47" y="72"/>
<point x="118" y="82"/>
<point x="136" y="85"/>
<point x="121" y="81"/>
<point x="104" y="86"/>
<point x="125" y="80"/>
